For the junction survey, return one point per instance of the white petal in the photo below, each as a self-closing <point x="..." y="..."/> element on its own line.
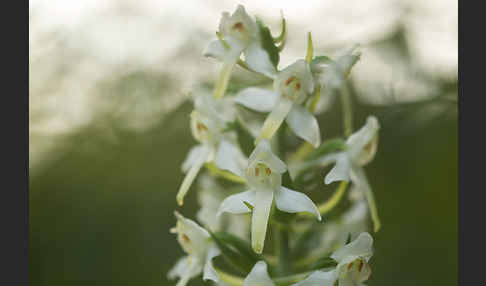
<point x="196" y="233"/>
<point x="191" y="175"/>
<point x="259" y="219"/>
<point x="217" y="50"/>
<point x="341" y="170"/>
<point x="362" y="246"/>
<point x="258" y="60"/>
<point x="209" y="271"/>
<point x="318" y="278"/>
<point x="293" y="202"/>
<point x="275" y="118"/>
<point x="363" y="138"/>
<point x="359" y="179"/>
<point x="235" y="204"/>
<point x="263" y="153"/>
<point x="259" y="99"/>
<point x="304" y="125"/>
<point x="178" y="268"/>
<point x="191" y="157"/>
<point x="186" y="269"/>
<point x="230" y="158"/>
<point x="258" y="276"/>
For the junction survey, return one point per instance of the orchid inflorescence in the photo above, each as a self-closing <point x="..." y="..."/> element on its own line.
<point x="253" y="183"/>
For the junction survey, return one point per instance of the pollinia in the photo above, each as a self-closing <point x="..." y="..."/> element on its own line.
<point x="259" y="149"/>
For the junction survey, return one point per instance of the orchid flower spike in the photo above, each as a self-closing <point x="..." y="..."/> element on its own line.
<point x="200" y="250"/>
<point x="208" y="122"/>
<point x="264" y="178"/>
<point x="238" y="33"/>
<point x="292" y="86"/>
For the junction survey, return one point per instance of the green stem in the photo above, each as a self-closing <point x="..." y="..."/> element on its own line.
<point x="229" y="279"/>
<point x="224" y="77"/>
<point x="283" y="251"/>
<point x="334" y="200"/>
<point x="347" y="110"/>
<point x="328" y="205"/>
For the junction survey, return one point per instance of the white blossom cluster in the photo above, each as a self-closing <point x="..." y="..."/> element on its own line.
<point x="247" y="195"/>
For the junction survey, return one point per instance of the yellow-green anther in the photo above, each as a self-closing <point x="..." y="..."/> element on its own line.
<point x="310" y="48"/>
<point x="220" y="37"/>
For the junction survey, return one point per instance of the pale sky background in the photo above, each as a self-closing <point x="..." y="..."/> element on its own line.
<point x="76" y="46"/>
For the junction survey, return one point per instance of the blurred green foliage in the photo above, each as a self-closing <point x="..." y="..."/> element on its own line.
<point x="101" y="210"/>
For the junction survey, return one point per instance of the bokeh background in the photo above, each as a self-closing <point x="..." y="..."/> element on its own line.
<point x="108" y="128"/>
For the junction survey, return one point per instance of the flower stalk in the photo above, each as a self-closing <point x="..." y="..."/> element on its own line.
<point x="257" y="170"/>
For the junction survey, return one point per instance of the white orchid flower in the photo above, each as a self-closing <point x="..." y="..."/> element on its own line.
<point x="353" y="222"/>
<point x="352" y="268"/>
<point x="333" y="73"/>
<point x="361" y="149"/>
<point x="210" y="196"/>
<point x="208" y="123"/>
<point x="200" y="250"/>
<point x="258" y="276"/>
<point x="238" y="33"/>
<point x="264" y="177"/>
<point x="292" y="86"/>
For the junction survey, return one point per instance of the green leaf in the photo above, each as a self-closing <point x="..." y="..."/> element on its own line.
<point x="267" y="43"/>
<point x="331" y="145"/>
<point x="245" y="139"/>
<point x="232" y="256"/>
<point x="242" y="246"/>
<point x="287" y="181"/>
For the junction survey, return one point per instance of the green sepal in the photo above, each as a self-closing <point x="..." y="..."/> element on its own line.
<point x="330" y="146"/>
<point x="323" y="262"/>
<point x="321" y="59"/>
<point x="250" y="207"/>
<point x="348" y="240"/>
<point x="267" y="42"/>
